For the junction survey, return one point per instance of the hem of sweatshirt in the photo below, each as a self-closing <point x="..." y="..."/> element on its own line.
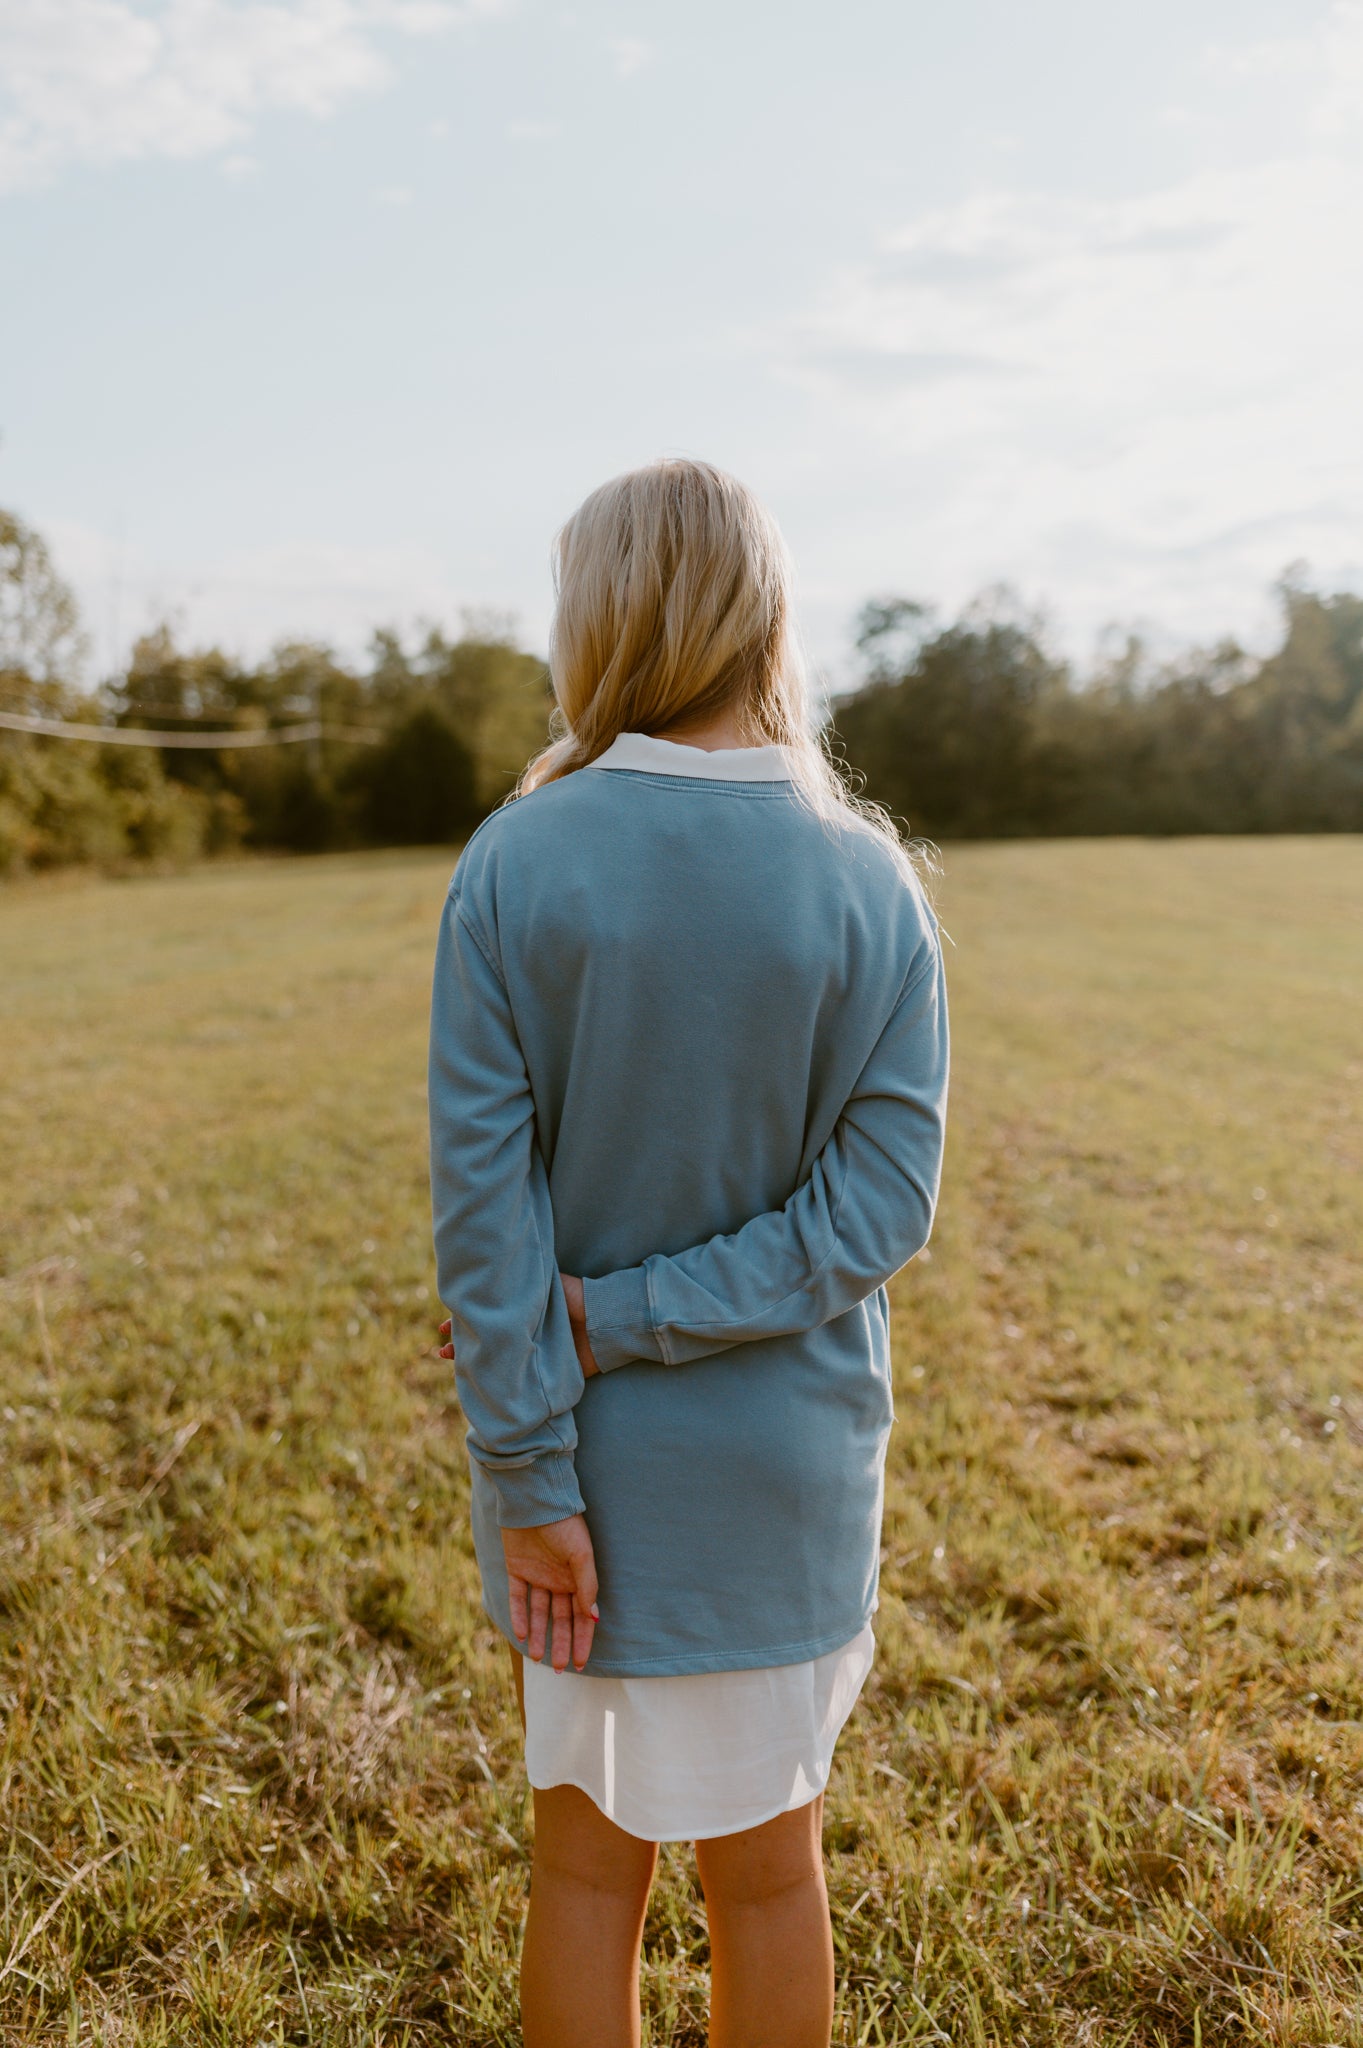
<point x="619" y="1319"/>
<point x="683" y="1662"/>
<point x="528" y="1496"/>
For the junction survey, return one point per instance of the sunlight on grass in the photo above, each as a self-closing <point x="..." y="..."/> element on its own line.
<point x="260" y="1760"/>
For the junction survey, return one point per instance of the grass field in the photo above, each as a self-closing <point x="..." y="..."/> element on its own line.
<point x="259" y="1769"/>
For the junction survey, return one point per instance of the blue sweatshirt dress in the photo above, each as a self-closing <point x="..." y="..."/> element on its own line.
<point x="688" y="1040"/>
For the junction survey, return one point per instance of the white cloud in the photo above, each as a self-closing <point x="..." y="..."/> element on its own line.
<point x="1328" y="62"/>
<point x="1150" y="403"/>
<point x="630" y="54"/>
<point x="107" y="81"/>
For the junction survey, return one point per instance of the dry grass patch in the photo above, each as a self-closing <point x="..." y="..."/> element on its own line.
<point x="259" y="1756"/>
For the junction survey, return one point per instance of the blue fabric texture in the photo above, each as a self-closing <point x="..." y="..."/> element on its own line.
<point x="689" y="1041"/>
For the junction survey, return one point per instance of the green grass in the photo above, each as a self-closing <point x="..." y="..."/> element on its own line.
<point x="259" y="1770"/>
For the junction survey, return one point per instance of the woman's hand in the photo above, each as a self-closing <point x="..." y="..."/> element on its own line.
<point x="577" y="1316"/>
<point x="551" y="1571"/>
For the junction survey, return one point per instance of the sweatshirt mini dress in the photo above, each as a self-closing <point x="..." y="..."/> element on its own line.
<point x="689" y="1041"/>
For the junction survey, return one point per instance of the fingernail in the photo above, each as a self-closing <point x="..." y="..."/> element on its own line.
<point x="596" y="1612"/>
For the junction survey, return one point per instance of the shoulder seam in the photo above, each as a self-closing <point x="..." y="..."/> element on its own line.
<point x="457" y="907"/>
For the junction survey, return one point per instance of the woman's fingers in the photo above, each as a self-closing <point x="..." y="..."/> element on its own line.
<point x="585" y="1614"/>
<point x="585" y="1589"/>
<point x="551" y="1576"/>
<point x="582" y="1560"/>
<point x="446" y="1331"/>
<point x="539" y="1620"/>
<point x="561" y="1648"/>
<point x="584" y="1627"/>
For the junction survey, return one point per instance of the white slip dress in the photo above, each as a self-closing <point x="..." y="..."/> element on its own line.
<point x="682" y="1757"/>
<point x="687" y="1756"/>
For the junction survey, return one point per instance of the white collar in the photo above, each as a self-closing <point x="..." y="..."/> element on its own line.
<point x="642" y="750"/>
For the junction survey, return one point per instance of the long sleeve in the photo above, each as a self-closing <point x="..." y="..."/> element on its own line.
<point x="864" y="1210"/>
<point x="516" y="1368"/>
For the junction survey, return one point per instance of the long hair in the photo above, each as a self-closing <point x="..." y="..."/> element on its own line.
<point x="673" y="587"/>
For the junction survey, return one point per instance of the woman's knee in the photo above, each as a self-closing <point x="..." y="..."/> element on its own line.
<point x="759" y="1864"/>
<point x="576" y="1843"/>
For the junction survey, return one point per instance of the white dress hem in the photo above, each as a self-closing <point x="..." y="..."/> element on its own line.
<point x="678" y="1831"/>
<point x="691" y="1756"/>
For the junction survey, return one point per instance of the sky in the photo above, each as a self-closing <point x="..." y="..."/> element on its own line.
<point x="318" y="315"/>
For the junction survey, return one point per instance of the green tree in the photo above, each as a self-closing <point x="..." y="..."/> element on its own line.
<point x="1306" y="702"/>
<point x="973" y="730"/>
<point x="42" y="647"/>
<point x="419" y="788"/>
<point x="947" y="731"/>
<point x="495" y="696"/>
<point x="64" y="801"/>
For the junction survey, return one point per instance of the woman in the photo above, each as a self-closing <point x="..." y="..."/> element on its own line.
<point x="688" y="1041"/>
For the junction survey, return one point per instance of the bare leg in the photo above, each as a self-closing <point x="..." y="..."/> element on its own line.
<point x="589" y="1887"/>
<point x="771" y="1945"/>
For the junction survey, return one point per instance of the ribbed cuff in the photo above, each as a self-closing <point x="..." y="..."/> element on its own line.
<point x="619" y="1324"/>
<point x="545" y="1490"/>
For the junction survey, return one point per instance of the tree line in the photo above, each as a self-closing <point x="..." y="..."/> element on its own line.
<point x="973" y="729"/>
<point x="417" y="743"/>
<point x="967" y="728"/>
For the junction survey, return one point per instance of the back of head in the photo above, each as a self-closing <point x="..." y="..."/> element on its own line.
<point x="674" y="605"/>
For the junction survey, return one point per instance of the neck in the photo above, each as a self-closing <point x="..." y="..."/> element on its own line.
<point x="710" y="734"/>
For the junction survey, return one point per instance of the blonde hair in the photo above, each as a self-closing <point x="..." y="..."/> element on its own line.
<point x="673" y="588"/>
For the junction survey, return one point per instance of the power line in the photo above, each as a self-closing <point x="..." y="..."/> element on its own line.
<point x="143" y="736"/>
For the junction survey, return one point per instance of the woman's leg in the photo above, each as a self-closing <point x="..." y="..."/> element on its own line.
<point x="589" y="1885"/>
<point x="771" y="1945"/>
